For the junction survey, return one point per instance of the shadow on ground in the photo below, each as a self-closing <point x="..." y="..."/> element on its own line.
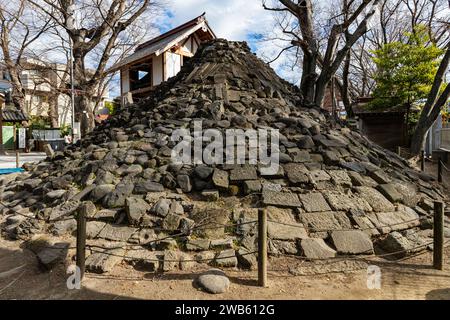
<point x="438" y="294"/>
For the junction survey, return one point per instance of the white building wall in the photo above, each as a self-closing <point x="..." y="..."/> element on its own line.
<point x="125" y="80"/>
<point x="157" y="65"/>
<point x="172" y="64"/>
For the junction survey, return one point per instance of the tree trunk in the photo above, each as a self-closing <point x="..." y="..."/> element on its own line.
<point x="53" y="111"/>
<point x="321" y="87"/>
<point x="345" y="93"/>
<point x="84" y="114"/>
<point x="426" y="121"/>
<point x="309" y="78"/>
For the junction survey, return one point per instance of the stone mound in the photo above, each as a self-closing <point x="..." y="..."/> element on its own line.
<point x="334" y="186"/>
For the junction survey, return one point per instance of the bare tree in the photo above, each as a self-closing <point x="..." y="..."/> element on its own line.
<point x="341" y="37"/>
<point x="20" y="28"/>
<point x="100" y="30"/>
<point x="433" y="106"/>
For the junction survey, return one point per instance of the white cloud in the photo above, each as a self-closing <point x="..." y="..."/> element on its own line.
<point x="230" y="19"/>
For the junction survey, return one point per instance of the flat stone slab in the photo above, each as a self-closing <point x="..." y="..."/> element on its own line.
<point x="286" y="232"/>
<point x="375" y="199"/>
<point x="213" y="281"/>
<point x="340" y="177"/>
<point x="102" y="262"/>
<point x="317" y="176"/>
<point x="313" y="202"/>
<point x="93" y="228"/>
<point x="389" y="191"/>
<point x="283" y="199"/>
<point x="386" y="222"/>
<point x="316" y="248"/>
<point x="352" y="242"/>
<point x="198" y="244"/>
<point x="296" y="173"/>
<point x="345" y="202"/>
<point x="116" y="232"/>
<point x="325" y="221"/>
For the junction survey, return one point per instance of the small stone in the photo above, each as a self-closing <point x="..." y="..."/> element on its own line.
<point x="213" y="281"/>
<point x="220" y="178"/>
<point x="171" y="222"/>
<point x="184" y="181"/>
<point x="203" y="172"/>
<point x="211" y="195"/>
<point x="252" y="186"/>
<point x="246" y="259"/>
<point x="170" y="261"/>
<point x="161" y="208"/>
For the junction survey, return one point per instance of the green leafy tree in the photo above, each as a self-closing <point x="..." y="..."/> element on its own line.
<point x="405" y="71"/>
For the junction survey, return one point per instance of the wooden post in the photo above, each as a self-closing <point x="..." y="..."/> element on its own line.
<point x="399" y="151"/>
<point x="81" y="242"/>
<point x="422" y="160"/>
<point x="438" y="235"/>
<point x="17" y="159"/>
<point x="2" y="149"/>
<point x="439" y="170"/>
<point x="262" y="247"/>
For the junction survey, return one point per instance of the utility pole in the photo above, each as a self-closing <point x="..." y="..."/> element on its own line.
<point x="2" y="150"/>
<point x="71" y="24"/>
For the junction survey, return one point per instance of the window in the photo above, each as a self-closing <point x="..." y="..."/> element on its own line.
<point x="140" y="76"/>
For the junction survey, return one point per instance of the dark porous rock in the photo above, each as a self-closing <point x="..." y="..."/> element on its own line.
<point x="143" y="186"/>
<point x="99" y="192"/>
<point x="184" y="181"/>
<point x="161" y="208"/>
<point x="203" y="172"/>
<point x="135" y="209"/>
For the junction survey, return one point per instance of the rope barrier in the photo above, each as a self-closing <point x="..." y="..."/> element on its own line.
<point x="171" y="260"/>
<point x="363" y="257"/>
<point x="444" y="166"/>
<point x="345" y="229"/>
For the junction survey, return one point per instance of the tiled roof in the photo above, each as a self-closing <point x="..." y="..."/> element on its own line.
<point x="165" y="41"/>
<point x="14" y="116"/>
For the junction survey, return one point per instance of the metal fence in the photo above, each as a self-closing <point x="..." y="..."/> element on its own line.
<point x="445" y="138"/>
